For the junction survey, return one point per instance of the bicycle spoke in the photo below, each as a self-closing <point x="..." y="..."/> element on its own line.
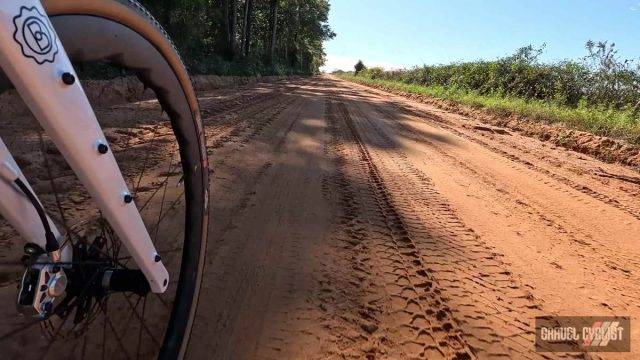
<point x="104" y="331"/>
<point x="19" y="330"/>
<point x="144" y="306"/>
<point x="55" y="336"/>
<point x="162" y="301"/>
<point x="164" y="183"/>
<point x="118" y="339"/>
<point x="142" y="323"/>
<point x="171" y="207"/>
<point x="144" y="166"/>
<point x="84" y="347"/>
<point x="164" y="194"/>
<point x="54" y="189"/>
<point x="130" y="317"/>
<point x="126" y="148"/>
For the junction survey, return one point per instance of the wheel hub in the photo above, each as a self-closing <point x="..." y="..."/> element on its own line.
<point x="49" y="287"/>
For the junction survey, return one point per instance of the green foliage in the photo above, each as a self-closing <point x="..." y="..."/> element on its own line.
<point x="598" y="94"/>
<point x="247" y="37"/>
<point x="600" y="79"/>
<point x="359" y="66"/>
<point x="613" y="82"/>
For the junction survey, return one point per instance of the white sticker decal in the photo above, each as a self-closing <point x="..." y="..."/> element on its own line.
<point x="34" y="34"/>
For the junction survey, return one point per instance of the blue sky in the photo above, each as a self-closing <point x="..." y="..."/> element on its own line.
<point x="404" y="33"/>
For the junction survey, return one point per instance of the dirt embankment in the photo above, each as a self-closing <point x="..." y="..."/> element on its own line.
<point x="104" y="93"/>
<point x="601" y="147"/>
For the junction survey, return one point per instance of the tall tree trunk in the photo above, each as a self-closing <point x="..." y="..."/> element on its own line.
<point x="227" y="34"/>
<point x="232" y="16"/>
<point x="165" y="17"/>
<point x="295" y="44"/>
<point x="248" y="19"/>
<point x="273" y="28"/>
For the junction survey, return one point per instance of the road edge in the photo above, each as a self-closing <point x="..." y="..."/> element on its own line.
<point x="602" y="148"/>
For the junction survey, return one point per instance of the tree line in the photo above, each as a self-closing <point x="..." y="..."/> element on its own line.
<point x="247" y="37"/>
<point x="599" y="79"/>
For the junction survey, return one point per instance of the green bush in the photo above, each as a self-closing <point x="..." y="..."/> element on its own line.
<point x="623" y="124"/>
<point x="599" y="79"/>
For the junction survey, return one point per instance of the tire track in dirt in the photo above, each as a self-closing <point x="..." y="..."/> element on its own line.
<point x="216" y="109"/>
<point x="598" y="250"/>
<point x="241" y="138"/>
<point x="493" y="311"/>
<point x="474" y="279"/>
<point x="407" y="307"/>
<point x="436" y="120"/>
<point x="244" y="131"/>
<point x="229" y="277"/>
<point x="440" y="122"/>
<point x="289" y="327"/>
<point x="212" y="110"/>
<point x="232" y="124"/>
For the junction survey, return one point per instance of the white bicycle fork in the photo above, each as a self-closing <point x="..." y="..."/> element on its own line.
<point x="33" y="58"/>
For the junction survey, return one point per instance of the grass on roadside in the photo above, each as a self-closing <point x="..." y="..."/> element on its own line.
<point x="606" y="122"/>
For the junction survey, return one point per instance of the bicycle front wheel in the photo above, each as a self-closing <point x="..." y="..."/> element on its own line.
<point x="160" y="148"/>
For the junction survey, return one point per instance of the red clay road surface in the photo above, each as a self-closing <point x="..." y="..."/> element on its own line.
<point x="350" y="223"/>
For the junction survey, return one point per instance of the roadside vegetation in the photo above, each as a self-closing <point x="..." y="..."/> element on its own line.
<point x="599" y="93"/>
<point x="242" y="37"/>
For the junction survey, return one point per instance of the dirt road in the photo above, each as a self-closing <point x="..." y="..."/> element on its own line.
<point x="350" y="223"/>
